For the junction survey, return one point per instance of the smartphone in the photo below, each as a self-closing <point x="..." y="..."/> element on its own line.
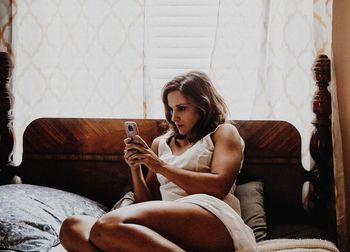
<point x="131" y="130"/>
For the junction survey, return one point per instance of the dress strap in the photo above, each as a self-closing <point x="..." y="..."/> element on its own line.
<point x="163" y="147"/>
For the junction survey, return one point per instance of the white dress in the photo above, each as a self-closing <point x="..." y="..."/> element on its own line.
<point x="198" y="158"/>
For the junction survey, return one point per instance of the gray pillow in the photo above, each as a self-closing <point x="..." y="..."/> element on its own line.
<point x="31" y="216"/>
<point x="251" y="197"/>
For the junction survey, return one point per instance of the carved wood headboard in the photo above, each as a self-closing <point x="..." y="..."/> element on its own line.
<point x="55" y="150"/>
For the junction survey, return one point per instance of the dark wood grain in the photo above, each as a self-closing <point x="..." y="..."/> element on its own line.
<point x="80" y="155"/>
<point x="273" y="155"/>
<point x="86" y="156"/>
<point x="321" y="146"/>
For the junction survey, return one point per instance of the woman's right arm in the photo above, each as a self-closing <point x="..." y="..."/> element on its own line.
<point x="144" y="189"/>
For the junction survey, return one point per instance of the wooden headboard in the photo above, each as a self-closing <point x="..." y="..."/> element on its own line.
<point x="85" y="155"/>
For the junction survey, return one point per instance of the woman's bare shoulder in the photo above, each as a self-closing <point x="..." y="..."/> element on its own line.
<point x="155" y="143"/>
<point x="227" y="132"/>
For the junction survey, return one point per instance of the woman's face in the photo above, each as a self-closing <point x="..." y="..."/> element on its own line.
<point x="184" y="112"/>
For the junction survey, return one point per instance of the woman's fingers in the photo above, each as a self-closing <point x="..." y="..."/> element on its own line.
<point x="141" y="141"/>
<point x="138" y="144"/>
<point x="131" y="161"/>
<point x="129" y="153"/>
<point x="137" y="151"/>
<point x="127" y="140"/>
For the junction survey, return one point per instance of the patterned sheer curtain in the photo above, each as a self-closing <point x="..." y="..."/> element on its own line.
<point x="80" y="58"/>
<point x="263" y="59"/>
<point x="106" y="58"/>
<point x="258" y="53"/>
<point x="76" y="59"/>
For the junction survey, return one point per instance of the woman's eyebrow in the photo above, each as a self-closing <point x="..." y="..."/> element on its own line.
<point x="179" y="105"/>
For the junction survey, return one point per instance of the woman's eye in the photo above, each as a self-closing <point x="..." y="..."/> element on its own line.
<point x="182" y="108"/>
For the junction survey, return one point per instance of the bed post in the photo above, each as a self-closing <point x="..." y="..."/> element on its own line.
<point x="6" y="136"/>
<point x="321" y="147"/>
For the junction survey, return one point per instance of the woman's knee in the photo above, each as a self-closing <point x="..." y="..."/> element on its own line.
<point x="76" y="229"/>
<point x="68" y="224"/>
<point x="105" y="229"/>
<point x="69" y="227"/>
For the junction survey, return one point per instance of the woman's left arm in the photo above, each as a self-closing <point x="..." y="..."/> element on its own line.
<point x="225" y="165"/>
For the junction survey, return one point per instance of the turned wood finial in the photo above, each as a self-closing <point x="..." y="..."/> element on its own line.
<point x="6" y="118"/>
<point x="321" y="138"/>
<point x="321" y="146"/>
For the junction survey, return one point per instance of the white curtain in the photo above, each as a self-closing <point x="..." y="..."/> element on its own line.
<point x="77" y="59"/>
<point x="258" y="53"/>
<point x="109" y="59"/>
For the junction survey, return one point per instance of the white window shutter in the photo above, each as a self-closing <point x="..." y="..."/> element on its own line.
<point x="179" y="37"/>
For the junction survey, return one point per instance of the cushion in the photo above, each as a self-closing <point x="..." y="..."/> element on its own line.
<point x="251" y="197"/>
<point x="296" y="231"/>
<point x="31" y="215"/>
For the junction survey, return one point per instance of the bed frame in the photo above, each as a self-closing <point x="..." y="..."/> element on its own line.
<point x="85" y="155"/>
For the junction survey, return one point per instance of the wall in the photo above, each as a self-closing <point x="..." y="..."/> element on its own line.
<point x="341" y="50"/>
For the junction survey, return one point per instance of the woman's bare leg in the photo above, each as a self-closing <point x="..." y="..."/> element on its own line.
<point x="75" y="236"/>
<point x="158" y="226"/>
<point x="75" y="233"/>
<point x="149" y="226"/>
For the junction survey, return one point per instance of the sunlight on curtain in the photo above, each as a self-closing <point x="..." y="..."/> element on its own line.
<point x="263" y="59"/>
<point x="83" y="59"/>
<point x="77" y="59"/>
<point x="258" y="53"/>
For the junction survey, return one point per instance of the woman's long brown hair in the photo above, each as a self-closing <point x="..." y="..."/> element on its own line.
<point x="197" y="87"/>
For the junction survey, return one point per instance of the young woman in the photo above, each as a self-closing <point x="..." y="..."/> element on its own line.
<point x="186" y="202"/>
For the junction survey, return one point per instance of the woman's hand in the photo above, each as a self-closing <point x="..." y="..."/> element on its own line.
<point x="140" y="153"/>
<point x="144" y="188"/>
<point x="129" y="153"/>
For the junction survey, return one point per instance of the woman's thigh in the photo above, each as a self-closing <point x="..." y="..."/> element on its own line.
<point x="188" y="225"/>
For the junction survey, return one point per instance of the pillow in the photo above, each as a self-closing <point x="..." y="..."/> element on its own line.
<point x="296" y="231"/>
<point x="31" y="215"/>
<point x="251" y="197"/>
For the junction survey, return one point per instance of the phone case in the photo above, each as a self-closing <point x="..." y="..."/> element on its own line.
<point x="131" y="129"/>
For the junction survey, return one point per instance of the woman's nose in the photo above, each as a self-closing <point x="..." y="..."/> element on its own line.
<point x="174" y="117"/>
